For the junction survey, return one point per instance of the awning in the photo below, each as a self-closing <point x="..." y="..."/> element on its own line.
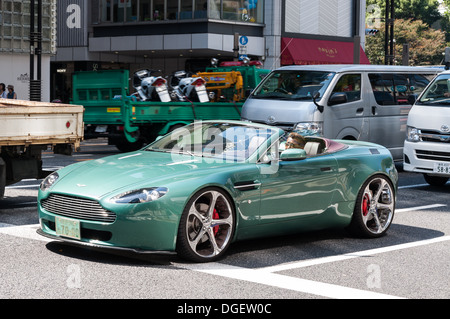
<point x="306" y="51"/>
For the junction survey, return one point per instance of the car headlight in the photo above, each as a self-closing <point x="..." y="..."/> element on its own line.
<point x="309" y="128"/>
<point x="143" y="195"/>
<point x="413" y="134"/>
<point x="49" y="181"/>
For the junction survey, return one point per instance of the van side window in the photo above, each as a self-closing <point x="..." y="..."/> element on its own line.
<point x="350" y="85"/>
<point x="394" y="89"/>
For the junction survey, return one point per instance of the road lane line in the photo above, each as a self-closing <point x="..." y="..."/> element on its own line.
<point x="286" y="282"/>
<point x="364" y="253"/>
<point x="402" y="210"/>
<point x="22" y="231"/>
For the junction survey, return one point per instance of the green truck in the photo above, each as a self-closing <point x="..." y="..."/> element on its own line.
<point x="111" y="111"/>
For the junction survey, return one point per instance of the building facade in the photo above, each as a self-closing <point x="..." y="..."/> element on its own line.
<point x="16" y="50"/>
<point x="171" y="35"/>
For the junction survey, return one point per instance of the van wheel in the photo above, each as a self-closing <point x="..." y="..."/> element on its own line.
<point x="435" y="180"/>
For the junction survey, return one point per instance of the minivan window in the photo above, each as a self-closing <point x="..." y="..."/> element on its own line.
<point x="350" y="85"/>
<point x="394" y="89"/>
<point x="293" y="85"/>
<point x="437" y="93"/>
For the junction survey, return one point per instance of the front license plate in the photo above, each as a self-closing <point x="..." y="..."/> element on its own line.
<point x="68" y="228"/>
<point x="441" y="168"/>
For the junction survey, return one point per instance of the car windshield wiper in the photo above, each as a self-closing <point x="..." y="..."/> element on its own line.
<point x="298" y="98"/>
<point x="157" y="150"/>
<point x="434" y="102"/>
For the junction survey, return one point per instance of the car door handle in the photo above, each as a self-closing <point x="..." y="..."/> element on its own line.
<point x="325" y="169"/>
<point x="374" y="110"/>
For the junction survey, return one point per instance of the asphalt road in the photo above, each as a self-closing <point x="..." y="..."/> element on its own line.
<point x="411" y="262"/>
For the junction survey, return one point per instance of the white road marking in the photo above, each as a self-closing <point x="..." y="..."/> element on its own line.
<point x="267" y="275"/>
<point x="23" y="231"/>
<point x="402" y="210"/>
<point x="364" y="253"/>
<point x="286" y="282"/>
<point x="413" y="186"/>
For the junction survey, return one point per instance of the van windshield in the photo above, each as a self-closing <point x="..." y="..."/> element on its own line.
<point x="438" y="93"/>
<point x="293" y="85"/>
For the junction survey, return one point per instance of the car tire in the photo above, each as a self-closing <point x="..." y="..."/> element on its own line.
<point x="206" y="226"/>
<point x="435" y="180"/>
<point x="374" y="208"/>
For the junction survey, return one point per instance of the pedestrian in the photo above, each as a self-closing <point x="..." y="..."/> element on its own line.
<point x="2" y="91"/>
<point x="11" y="94"/>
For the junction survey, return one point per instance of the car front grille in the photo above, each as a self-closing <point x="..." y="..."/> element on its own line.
<point x="78" y="208"/>
<point x="433" y="155"/>
<point x="435" y="136"/>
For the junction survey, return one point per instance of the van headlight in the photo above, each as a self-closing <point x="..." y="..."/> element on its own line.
<point x="413" y="134"/>
<point x="143" y="195"/>
<point x="309" y="128"/>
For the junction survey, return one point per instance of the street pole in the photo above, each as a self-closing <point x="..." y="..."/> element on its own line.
<point x="389" y="33"/>
<point x="35" y="50"/>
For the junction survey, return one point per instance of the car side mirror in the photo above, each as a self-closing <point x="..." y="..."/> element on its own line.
<point x="293" y="154"/>
<point x="337" y="98"/>
<point x="316" y="95"/>
<point x="412" y="98"/>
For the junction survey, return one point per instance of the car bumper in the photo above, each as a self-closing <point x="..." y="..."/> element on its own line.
<point x="421" y="157"/>
<point x="143" y="228"/>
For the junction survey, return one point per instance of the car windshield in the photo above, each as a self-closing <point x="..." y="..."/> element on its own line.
<point x="293" y="85"/>
<point x="227" y="141"/>
<point x="438" y="93"/>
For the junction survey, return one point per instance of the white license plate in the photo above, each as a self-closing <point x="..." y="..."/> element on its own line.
<point x="202" y="94"/>
<point x="68" y="227"/>
<point x="441" y="168"/>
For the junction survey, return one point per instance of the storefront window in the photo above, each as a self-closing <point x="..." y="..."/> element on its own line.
<point x="186" y="10"/>
<point x="131" y="7"/>
<point x="145" y="10"/>
<point x="237" y="10"/>
<point x="201" y="7"/>
<point x="156" y="10"/>
<point x="172" y="9"/>
<point x="106" y="10"/>
<point x="215" y="7"/>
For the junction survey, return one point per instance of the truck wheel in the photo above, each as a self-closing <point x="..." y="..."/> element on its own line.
<point x="125" y="146"/>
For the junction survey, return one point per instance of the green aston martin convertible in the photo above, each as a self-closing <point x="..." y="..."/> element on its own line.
<point x="208" y="184"/>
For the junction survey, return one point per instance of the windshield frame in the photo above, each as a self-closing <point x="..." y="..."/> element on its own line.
<point x="437" y="93"/>
<point x="217" y="141"/>
<point x="294" y="85"/>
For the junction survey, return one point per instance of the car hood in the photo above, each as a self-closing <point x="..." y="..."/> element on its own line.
<point x="286" y="112"/>
<point x="100" y="177"/>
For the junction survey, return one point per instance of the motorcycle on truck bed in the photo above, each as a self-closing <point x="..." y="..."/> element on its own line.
<point x="130" y="121"/>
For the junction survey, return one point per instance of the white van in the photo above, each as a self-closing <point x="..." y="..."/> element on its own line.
<point x="356" y="102"/>
<point x="427" y="144"/>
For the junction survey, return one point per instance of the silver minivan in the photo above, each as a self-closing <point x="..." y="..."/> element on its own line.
<point x="355" y="102"/>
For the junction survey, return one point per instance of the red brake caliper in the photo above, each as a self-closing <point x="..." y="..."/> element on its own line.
<point x="366" y="204"/>
<point x="215" y="216"/>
